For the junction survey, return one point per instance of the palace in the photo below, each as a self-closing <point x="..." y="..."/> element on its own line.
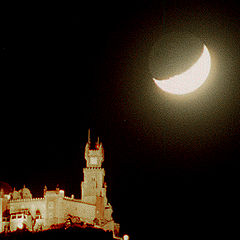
<point x="19" y="210"/>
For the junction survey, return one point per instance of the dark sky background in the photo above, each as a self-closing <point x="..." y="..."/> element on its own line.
<point x="172" y="162"/>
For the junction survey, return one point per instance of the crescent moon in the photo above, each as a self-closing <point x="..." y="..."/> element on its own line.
<point x="191" y="79"/>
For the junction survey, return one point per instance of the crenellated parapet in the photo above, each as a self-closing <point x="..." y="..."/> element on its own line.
<point x="94" y="168"/>
<point x="26" y="200"/>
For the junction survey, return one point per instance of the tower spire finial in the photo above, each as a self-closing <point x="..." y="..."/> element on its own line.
<point x="89" y="139"/>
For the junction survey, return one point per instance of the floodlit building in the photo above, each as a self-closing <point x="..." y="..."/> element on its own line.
<point x="18" y="209"/>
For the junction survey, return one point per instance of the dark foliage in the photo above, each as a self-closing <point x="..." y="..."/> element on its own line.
<point x="70" y="233"/>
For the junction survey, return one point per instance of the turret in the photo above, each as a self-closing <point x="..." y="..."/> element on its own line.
<point x="94" y="157"/>
<point x="1" y="193"/>
<point x="44" y="190"/>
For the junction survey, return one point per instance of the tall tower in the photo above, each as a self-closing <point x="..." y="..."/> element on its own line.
<point x="93" y="185"/>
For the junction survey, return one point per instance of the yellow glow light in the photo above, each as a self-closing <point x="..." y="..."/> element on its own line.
<point x="20" y="225"/>
<point x="125" y="237"/>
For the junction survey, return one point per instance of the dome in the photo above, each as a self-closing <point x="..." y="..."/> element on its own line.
<point x="15" y="195"/>
<point x="25" y="193"/>
<point x="6" y="187"/>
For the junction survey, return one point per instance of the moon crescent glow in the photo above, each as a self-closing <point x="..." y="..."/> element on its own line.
<point x="189" y="80"/>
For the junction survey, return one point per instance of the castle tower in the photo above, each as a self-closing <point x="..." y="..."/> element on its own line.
<point x="93" y="184"/>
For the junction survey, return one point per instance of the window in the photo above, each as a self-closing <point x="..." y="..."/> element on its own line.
<point x="14" y="217"/>
<point x="51" y="204"/>
<point x="19" y="216"/>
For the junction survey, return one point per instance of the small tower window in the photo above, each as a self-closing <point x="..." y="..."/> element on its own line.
<point x="51" y="204"/>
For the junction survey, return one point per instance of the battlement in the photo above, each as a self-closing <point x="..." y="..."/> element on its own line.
<point x="26" y="200"/>
<point x="97" y="151"/>
<point x="94" y="168"/>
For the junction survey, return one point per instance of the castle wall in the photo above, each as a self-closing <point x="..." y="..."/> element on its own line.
<point x="59" y="207"/>
<point x="53" y="207"/>
<point x="3" y="207"/>
<point x="32" y="205"/>
<point x="109" y="226"/>
<point x="85" y="211"/>
<point x="108" y="212"/>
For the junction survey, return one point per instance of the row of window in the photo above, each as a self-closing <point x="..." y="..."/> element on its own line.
<point x="18" y="216"/>
<point x="23" y="216"/>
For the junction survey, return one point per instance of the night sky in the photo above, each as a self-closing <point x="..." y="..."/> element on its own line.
<point x="171" y="162"/>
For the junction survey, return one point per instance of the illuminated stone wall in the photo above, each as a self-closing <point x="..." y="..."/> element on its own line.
<point x="93" y="185"/>
<point x="75" y="207"/>
<point x="3" y="207"/>
<point x="31" y="204"/>
<point x="54" y="207"/>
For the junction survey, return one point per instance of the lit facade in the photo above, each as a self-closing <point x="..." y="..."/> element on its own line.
<point x="19" y="210"/>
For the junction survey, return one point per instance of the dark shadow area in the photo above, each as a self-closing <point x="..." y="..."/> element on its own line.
<point x="70" y="233"/>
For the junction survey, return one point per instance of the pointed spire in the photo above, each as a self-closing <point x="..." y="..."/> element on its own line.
<point x="44" y="190"/>
<point x="89" y="140"/>
<point x="97" y="144"/>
